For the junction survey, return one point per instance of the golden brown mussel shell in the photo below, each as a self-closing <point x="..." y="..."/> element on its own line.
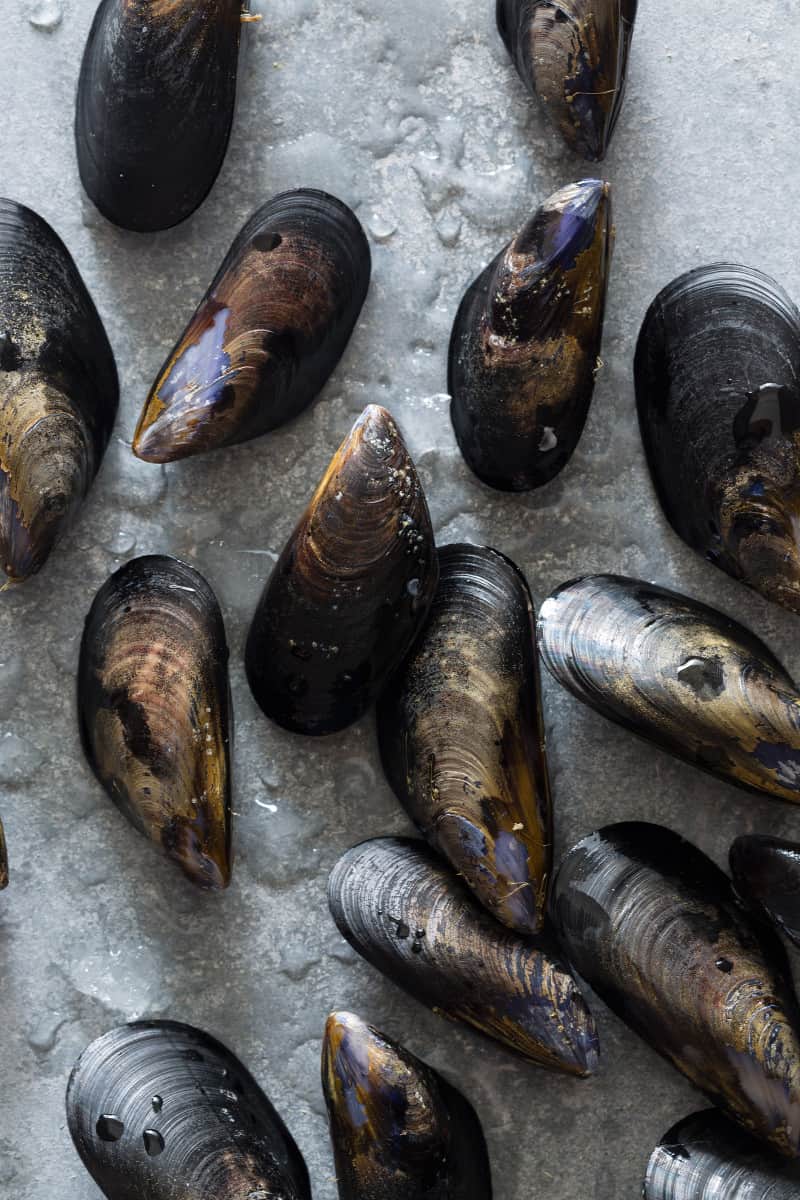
<point x="155" y="711"/>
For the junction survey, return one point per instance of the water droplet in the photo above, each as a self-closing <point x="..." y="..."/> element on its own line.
<point x="121" y="543"/>
<point x="725" y="965"/>
<point x="109" y="1128"/>
<point x="413" y="587"/>
<point x="548" y="440"/>
<point x="153" y="1142"/>
<point x="157" y="1103"/>
<point x="403" y="930"/>
<point x="46" y="15"/>
<point x="381" y="226"/>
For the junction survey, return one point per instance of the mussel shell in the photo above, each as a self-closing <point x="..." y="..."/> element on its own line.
<point x="654" y="927"/>
<point x="573" y="55"/>
<point x="267" y="334"/>
<point x="58" y="390"/>
<point x="351" y="589"/>
<point x="526" y="340"/>
<point x="412" y="918"/>
<point x="705" y="1157"/>
<point x="155" y="710"/>
<point x="155" y="104"/>
<point x="678" y="673"/>
<point x="163" y="1111"/>
<point x="766" y="871"/>
<point x="399" y="1131"/>
<point x="717" y="366"/>
<point x="462" y="737"/>
<point x="3" y="859"/>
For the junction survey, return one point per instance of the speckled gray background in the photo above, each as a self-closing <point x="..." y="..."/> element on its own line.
<point x="411" y="112"/>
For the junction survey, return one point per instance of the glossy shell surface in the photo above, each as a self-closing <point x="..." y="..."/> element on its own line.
<point x="525" y="346"/>
<point x="654" y="927"/>
<point x="399" y="1130"/>
<point x="705" y="1157"/>
<point x="681" y="674"/>
<point x="351" y="588"/>
<point x="462" y="736"/>
<point x="58" y="390"/>
<point x="163" y="1111"/>
<point x="717" y="370"/>
<point x="268" y="333"/>
<point x="573" y="56"/>
<point x="766" y="871"/>
<point x="155" y="711"/>
<point x="155" y="106"/>
<point x="412" y="918"/>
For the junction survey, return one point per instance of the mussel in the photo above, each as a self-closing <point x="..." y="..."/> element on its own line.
<point x="267" y="334"/>
<point x="766" y="871"/>
<point x="399" y="1130"/>
<point x="654" y="927"/>
<point x="351" y="589"/>
<point x="525" y="345"/>
<point x="3" y="859"/>
<point x="155" y="105"/>
<point x="58" y="390"/>
<point x="462" y="737"/>
<point x="163" y="1111"/>
<point x="573" y="56"/>
<point x="406" y="912"/>
<point x="155" y="711"/>
<point x="681" y="674"/>
<point x="717" y="367"/>
<point x="705" y="1157"/>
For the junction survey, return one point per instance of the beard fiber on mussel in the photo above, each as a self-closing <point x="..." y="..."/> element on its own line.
<point x="655" y="929"/>
<point x="155" y="711"/>
<point x="3" y="859"/>
<point x="766" y="872"/>
<point x="399" y="1130"/>
<point x="573" y="56"/>
<point x="268" y="333"/>
<point x="705" y="1157"/>
<point x="525" y="345"/>
<point x="682" y="675"/>
<point x="410" y="916"/>
<point x="461" y="735"/>
<point x="351" y="589"/>
<point x="155" y="104"/>
<point x="717" y="368"/>
<point x="163" y="1111"/>
<point x="58" y="390"/>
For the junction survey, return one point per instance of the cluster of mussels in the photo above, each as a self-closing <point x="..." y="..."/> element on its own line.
<point x="362" y="608"/>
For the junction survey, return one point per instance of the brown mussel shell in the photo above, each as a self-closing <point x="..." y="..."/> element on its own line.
<point x="525" y="346"/>
<point x="399" y="1131"/>
<point x="717" y="368"/>
<point x="573" y="56"/>
<point x="351" y="589"/>
<point x="163" y="1111"/>
<point x="682" y="675"/>
<point x="58" y="390"/>
<point x="155" y="711"/>
<point x="654" y="927"/>
<point x="766" y="871"/>
<point x="155" y="105"/>
<point x="462" y="736"/>
<point x="3" y="859"/>
<point x="408" y="915"/>
<point x="705" y="1157"/>
<point x="268" y="333"/>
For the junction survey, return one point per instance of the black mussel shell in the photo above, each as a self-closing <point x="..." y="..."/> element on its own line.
<point x="406" y="913"/>
<point x="678" y="673"/>
<point x="717" y="368"/>
<point x="155" y="711"/>
<point x="399" y="1131"/>
<point x="766" y="871"/>
<point x="155" y="105"/>
<point x="573" y="56"/>
<point x="654" y="927"/>
<point x="267" y="334"/>
<point x="58" y="390"/>
<point x="351" y="589"/>
<point x="3" y="859"/>
<point x="163" y="1111"/>
<point x="525" y="346"/>
<point x="462" y="736"/>
<point x="705" y="1157"/>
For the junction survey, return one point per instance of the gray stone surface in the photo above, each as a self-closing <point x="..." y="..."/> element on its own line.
<point x="412" y="113"/>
